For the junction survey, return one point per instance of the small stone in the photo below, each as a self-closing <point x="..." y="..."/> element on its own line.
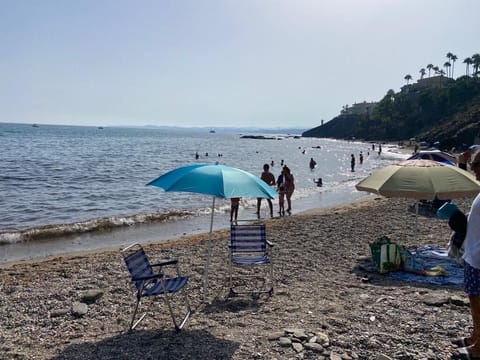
<point x="285" y="342"/>
<point x="59" y="312"/>
<point x="298" y="347"/>
<point x="79" y="309"/>
<point x="275" y="335"/>
<point x="383" y="357"/>
<point x="300" y="334"/>
<point x="91" y="296"/>
<point x="322" y="338"/>
<point x="314" y="347"/>
<point x="335" y="356"/>
<point x="293" y="330"/>
<point x="435" y="300"/>
<point x="459" y="301"/>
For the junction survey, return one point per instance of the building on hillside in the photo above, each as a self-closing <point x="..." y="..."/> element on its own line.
<point x="430" y="82"/>
<point x="362" y="108"/>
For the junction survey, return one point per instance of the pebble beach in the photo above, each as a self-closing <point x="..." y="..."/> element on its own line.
<point x="325" y="304"/>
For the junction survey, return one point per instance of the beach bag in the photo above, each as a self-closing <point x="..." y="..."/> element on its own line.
<point x="386" y="255"/>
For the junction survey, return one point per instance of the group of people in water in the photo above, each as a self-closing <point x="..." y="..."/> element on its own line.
<point x="285" y="185"/>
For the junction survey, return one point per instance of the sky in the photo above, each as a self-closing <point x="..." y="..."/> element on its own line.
<point x="212" y="63"/>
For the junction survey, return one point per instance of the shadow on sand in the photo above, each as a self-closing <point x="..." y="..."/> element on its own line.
<point x="158" y="344"/>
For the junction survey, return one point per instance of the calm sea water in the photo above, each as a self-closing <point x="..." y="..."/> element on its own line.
<point x="58" y="182"/>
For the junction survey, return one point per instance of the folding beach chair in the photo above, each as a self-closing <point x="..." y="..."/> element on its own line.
<point x="249" y="248"/>
<point x="150" y="283"/>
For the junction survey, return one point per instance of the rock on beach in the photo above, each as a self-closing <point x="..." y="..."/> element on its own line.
<point x="325" y="304"/>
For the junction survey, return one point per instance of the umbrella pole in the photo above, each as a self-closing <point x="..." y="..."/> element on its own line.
<point x="209" y="254"/>
<point x="416" y="220"/>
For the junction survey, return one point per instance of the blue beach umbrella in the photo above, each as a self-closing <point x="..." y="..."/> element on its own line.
<point x="435" y="155"/>
<point x="218" y="181"/>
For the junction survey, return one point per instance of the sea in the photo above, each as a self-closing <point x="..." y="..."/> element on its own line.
<point x="67" y="189"/>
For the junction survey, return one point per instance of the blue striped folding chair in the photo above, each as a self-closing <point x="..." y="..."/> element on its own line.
<point x="150" y="284"/>
<point x="249" y="248"/>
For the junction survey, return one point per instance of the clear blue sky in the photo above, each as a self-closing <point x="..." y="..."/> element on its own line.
<point x="264" y="63"/>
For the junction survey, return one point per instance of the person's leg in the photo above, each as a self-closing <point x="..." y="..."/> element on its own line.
<point x="270" y="205"/>
<point x="472" y="288"/>
<point x="259" y="202"/>
<point x="289" y="201"/>
<point x="475" y="336"/>
<point x="236" y="213"/>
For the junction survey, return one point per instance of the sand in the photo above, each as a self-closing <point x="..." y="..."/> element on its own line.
<point x="325" y="304"/>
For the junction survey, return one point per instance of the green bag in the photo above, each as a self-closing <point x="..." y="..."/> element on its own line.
<point x="386" y="255"/>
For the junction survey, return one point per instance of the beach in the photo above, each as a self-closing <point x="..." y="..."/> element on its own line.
<point x="323" y="295"/>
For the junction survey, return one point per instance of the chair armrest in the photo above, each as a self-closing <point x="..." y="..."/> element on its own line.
<point x="166" y="262"/>
<point x="269" y="243"/>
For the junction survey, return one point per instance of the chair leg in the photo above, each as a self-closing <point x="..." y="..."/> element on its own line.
<point x="132" y="324"/>
<point x="186" y="316"/>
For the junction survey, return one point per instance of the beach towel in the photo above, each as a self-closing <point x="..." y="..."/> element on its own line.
<point x="438" y="268"/>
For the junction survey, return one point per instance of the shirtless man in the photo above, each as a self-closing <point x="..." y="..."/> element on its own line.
<point x="268" y="177"/>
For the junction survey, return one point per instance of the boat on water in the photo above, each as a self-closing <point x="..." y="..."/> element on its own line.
<point x="212" y="131"/>
<point x="34" y="125"/>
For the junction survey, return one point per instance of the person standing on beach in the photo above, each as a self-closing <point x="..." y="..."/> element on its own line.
<point x="313" y="163"/>
<point x="470" y="346"/>
<point x="289" y="182"/>
<point x="281" y="199"/>
<point x="268" y="177"/>
<point x="361" y="158"/>
<point x="463" y="159"/>
<point x="352" y="162"/>
<point x="234" y="205"/>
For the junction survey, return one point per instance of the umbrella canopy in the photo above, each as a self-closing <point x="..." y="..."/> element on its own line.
<point x="435" y="155"/>
<point x="421" y="179"/>
<point x="218" y="181"/>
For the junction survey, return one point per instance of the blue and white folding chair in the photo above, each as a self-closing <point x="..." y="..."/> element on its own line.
<point x="149" y="283"/>
<point x="249" y="248"/>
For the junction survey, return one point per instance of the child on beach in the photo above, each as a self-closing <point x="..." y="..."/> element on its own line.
<point x="234" y="204"/>
<point x="281" y="199"/>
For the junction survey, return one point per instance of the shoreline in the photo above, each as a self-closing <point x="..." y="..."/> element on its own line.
<point x="156" y="232"/>
<point x="188" y="239"/>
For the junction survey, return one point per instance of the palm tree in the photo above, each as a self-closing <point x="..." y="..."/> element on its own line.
<point x="429" y="67"/>
<point x="468" y="61"/>
<point x="422" y="73"/>
<point x="408" y="77"/>
<point x="447" y="66"/>
<point x="453" y="58"/>
<point x="476" y="64"/>
<point x="435" y="69"/>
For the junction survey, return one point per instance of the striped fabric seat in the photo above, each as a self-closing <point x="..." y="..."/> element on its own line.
<point x="140" y="268"/>
<point x="249" y="247"/>
<point x="150" y="283"/>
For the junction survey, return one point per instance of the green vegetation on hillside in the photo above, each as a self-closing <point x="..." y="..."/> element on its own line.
<point x="434" y="109"/>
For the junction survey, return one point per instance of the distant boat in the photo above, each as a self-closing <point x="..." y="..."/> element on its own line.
<point x="212" y="131"/>
<point x="100" y="127"/>
<point x="35" y="125"/>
